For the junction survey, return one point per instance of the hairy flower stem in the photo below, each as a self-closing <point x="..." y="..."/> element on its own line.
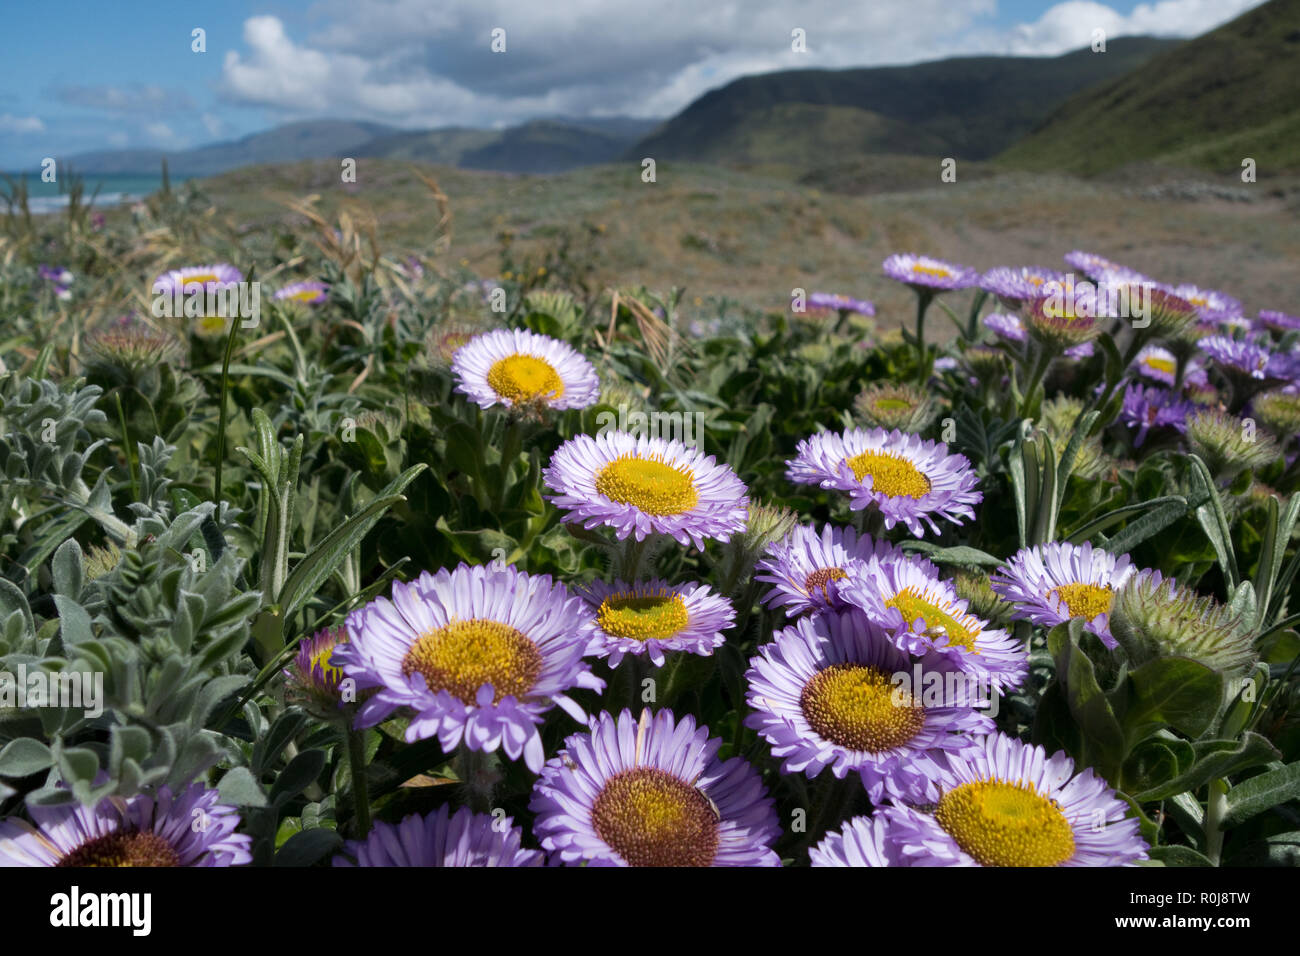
<point x="1215" y="807"/>
<point x="1035" y="379"/>
<point x="923" y="300"/>
<point x="356" y="741"/>
<point x="221" y="414"/>
<point x="478" y="782"/>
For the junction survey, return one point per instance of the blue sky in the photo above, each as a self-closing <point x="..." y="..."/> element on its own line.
<point x="97" y="75"/>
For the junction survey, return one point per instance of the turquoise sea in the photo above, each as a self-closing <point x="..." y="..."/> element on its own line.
<point x="114" y="189"/>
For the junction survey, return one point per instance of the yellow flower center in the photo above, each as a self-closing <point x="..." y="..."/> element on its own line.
<point x="937" y="271"/>
<point x="121" y="849"/>
<point x="891" y="475"/>
<point x="853" y="705"/>
<point x="914" y="605"/>
<point x="643" y="616"/>
<point x="321" y="659"/>
<point x="306" y="295"/>
<point x="649" y="484"/>
<point x="208" y="325"/>
<point x="462" y="656"/>
<point x="1161" y="365"/>
<point x="523" y="378"/>
<point x="820" y="578"/>
<point x="1006" y="824"/>
<point x="651" y="817"/>
<point x="1085" y="600"/>
<point x="202" y="278"/>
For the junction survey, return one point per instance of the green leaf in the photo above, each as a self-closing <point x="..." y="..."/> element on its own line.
<point x="308" y="847"/>
<point x="1214" y="522"/>
<point x="1104" y="742"/>
<point x="302" y="770"/>
<point x="25" y="756"/>
<point x="958" y="555"/>
<point x="74" y="621"/>
<point x="1179" y="856"/>
<point x="1154" y="761"/>
<point x="78" y="764"/>
<point x="1176" y="503"/>
<point x="269" y="748"/>
<point x="1213" y="759"/>
<point x="1173" y="691"/>
<point x="1261" y="793"/>
<point x="1151" y="523"/>
<point x="240" y="788"/>
<point x="66" y="571"/>
<point x="313" y="570"/>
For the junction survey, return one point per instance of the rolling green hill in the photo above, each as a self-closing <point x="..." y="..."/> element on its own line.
<point x="1230" y="94"/>
<point x="966" y="107"/>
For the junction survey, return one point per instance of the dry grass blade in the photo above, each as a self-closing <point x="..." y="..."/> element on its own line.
<point x="442" y="231"/>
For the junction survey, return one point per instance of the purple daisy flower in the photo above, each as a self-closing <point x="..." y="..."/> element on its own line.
<point x="515" y="366"/>
<point x="217" y="276"/>
<point x="923" y="615"/>
<point x="832" y="690"/>
<point x="928" y="275"/>
<point x="910" y="479"/>
<point x="807" y="567"/>
<point x="1006" y="803"/>
<point x="833" y="302"/>
<point x="652" y="793"/>
<point x="650" y="617"/>
<point x="313" y="679"/>
<point x="1247" y="359"/>
<point x="1006" y="326"/>
<point x="56" y="274"/>
<point x="642" y="485"/>
<point x="1051" y="583"/>
<point x="442" y="839"/>
<point x="479" y="654"/>
<point x="165" y="829"/>
<point x="864" y="841"/>
<point x="1095" y="266"/>
<point x="1146" y="408"/>
<point x="1213" y="306"/>
<point x="1278" y="321"/>
<point x="1016" y="285"/>
<point x="1156" y="363"/>
<point x="308" y="293"/>
<point x="1079" y="352"/>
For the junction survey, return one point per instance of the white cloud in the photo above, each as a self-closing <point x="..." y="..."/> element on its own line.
<point x="139" y="98"/>
<point x="1070" y="25"/>
<point x="117" y="139"/>
<point x="161" y="134"/>
<point x="212" y="124"/>
<point x="413" y="63"/>
<point x="20" y="124"/>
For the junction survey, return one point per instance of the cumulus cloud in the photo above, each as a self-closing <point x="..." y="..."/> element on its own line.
<point x="413" y="63"/>
<point x="1070" y="25"/>
<point x="20" y="124"/>
<point x="138" y="98"/>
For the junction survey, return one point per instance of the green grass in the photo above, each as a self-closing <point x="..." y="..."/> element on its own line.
<point x="1208" y="104"/>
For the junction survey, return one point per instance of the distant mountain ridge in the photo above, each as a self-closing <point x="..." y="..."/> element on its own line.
<point x="551" y="145"/>
<point x="965" y="107"/>
<point x="1230" y="94"/>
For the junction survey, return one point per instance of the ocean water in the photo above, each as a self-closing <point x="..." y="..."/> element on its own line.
<point x="114" y="189"/>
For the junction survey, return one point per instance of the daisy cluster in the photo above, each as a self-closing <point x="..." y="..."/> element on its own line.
<point x="877" y="672"/>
